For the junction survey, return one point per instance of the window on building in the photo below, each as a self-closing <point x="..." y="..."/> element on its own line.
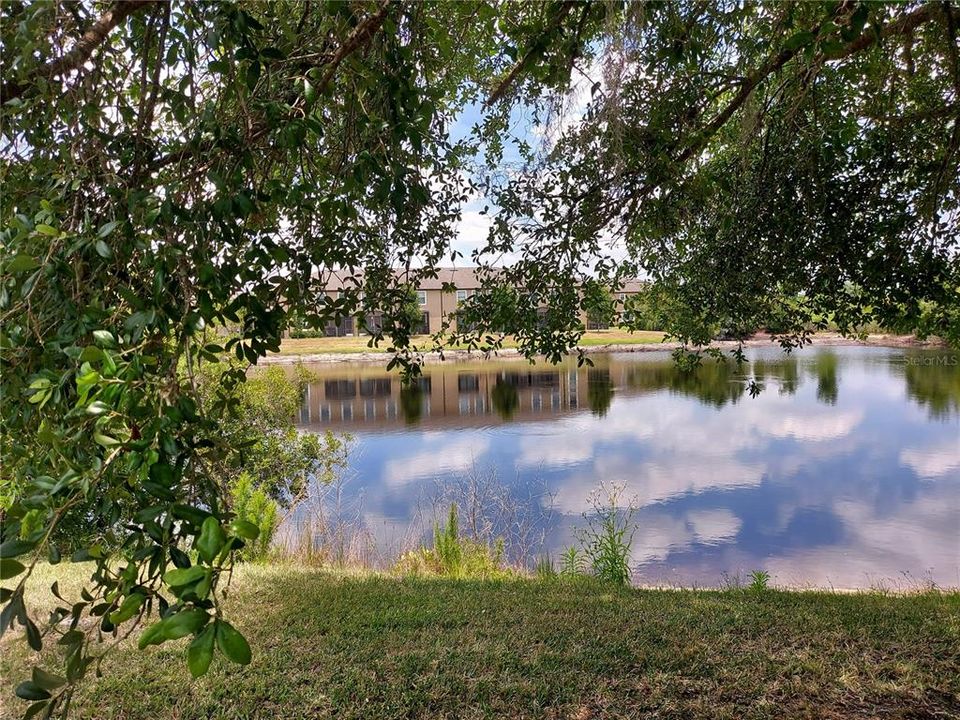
<point x="468" y="383"/>
<point x="461" y="295"/>
<point x="422" y="297"/>
<point x="339" y="389"/>
<point x="375" y="387"/>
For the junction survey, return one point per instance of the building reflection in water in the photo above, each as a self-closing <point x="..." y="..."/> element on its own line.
<point x="473" y="395"/>
<point x="447" y="396"/>
<point x="843" y="471"/>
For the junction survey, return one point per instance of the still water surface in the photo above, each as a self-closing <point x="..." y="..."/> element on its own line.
<point x="844" y="471"/>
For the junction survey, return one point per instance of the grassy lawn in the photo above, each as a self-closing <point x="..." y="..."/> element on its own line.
<point x="329" y="645"/>
<point x="319" y="346"/>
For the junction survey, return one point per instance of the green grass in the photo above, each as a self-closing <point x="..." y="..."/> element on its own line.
<point x="351" y="345"/>
<point x="361" y="646"/>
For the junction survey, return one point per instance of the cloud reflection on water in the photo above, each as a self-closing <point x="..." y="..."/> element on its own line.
<point x="844" y="471"/>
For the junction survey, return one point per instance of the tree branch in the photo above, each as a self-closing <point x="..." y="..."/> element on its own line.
<point x="79" y="54"/>
<point x="528" y="57"/>
<point x="903" y="25"/>
<point x="360" y="35"/>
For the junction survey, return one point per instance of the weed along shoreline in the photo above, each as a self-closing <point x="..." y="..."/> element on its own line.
<point x="357" y="644"/>
<point x="322" y="350"/>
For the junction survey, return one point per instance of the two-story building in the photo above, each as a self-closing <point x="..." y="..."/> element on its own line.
<point x="439" y="305"/>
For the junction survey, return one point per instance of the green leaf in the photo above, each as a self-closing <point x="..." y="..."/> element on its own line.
<point x="33" y="634"/>
<point x="47" y="681"/>
<point x="309" y="92"/>
<point x="71" y="637"/>
<point x="128" y="608"/>
<point x="211" y="539"/>
<point x="103" y="250"/>
<point x="14" y="547"/>
<point x="10" y="568"/>
<point x="253" y="74"/>
<point x="91" y="353"/>
<point x="200" y="652"/>
<point x="245" y="529"/>
<point x="29" y="690"/>
<point x="153" y="635"/>
<point x="232" y="643"/>
<point x="22" y="263"/>
<point x="185" y="623"/>
<point x="799" y="40"/>
<point x="47" y="230"/>
<point x="184" y="576"/>
<point x="35" y="709"/>
<point x="107" y="228"/>
<point x="105" y="440"/>
<point x="97" y="407"/>
<point x="104" y="338"/>
<point x="243" y="204"/>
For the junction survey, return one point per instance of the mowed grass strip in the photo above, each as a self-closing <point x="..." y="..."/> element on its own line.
<point x="332" y="645"/>
<point x="353" y="345"/>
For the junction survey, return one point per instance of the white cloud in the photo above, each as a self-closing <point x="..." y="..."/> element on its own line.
<point x="924" y="535"/>
<point x="450" y="457"/>
<point x="713" y="527"/>
<point x="933" y="460"/>
<point x="815" y="426"/>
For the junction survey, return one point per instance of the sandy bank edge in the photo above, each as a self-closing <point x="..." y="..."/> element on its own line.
<point x="825" y="339"/>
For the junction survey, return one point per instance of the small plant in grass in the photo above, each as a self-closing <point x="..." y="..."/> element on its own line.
<point x="573" y="562"/>
<point x="454" y="556"/>
<point x="759" y="581"/>
<point x="252" y="504"/>
<point x="545" y="569"/>
<point x="608" y="535"/>
<point x="446" y="543"/>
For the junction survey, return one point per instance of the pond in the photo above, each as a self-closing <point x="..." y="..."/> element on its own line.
<point x="844" y="471"/>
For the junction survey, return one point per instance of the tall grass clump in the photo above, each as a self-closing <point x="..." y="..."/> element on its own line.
<point x="252" y="504"/>
<point x="447" y="545"/>
<point x="453" y="555"/>
<point x="607" y="536"/>
<point x="573" y="562"/>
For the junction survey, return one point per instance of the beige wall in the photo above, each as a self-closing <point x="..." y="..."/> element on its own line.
<point x="449" y="396"/>
<point x="441" y="304"/>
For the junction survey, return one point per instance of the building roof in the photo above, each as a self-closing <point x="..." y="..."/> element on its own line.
<point x="463" y="278"/>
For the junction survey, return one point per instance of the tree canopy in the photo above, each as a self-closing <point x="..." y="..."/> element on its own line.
<point x="762" y="164"/>
<point x="180" y="179"/>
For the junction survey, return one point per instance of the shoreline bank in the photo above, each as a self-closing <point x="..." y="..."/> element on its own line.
<point x="454" y="355"/>
<point x="336" y="645"/>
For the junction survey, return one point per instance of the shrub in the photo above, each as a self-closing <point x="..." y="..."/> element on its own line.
<point x="759" y="581"/>
<point x="446" y="544"/>
<point x="573" y="562"/>
<point x="545" y="569"/>
<point x="252" y="504"/>
<point x="454" y="556"/>
<point x="607" y="537"/>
